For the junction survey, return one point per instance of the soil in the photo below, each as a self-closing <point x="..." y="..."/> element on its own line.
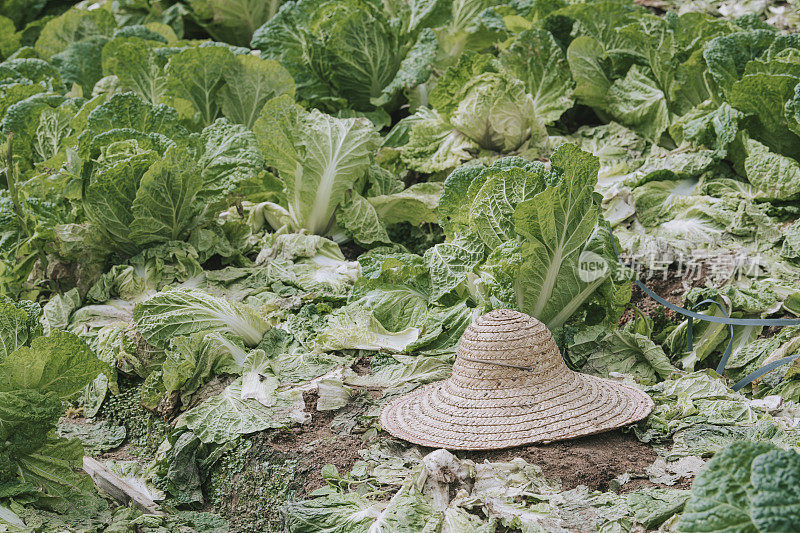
<point x="351" y="250"/>
<point x="683" y="483"/>
<point x="315" y="445"/>
<point x="361" y="366"/>
<point x="671" y="287"/>
<point x="658" y="7"/>
<point x="593" y="461"/>
<point x="120" y="454"/>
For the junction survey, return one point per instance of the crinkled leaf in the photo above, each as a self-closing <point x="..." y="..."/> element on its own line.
<point x="232" y="21"/>
<point x="556" y="224"/>
<point x="195" y="77"/>
<point x="589" y="65"/>
<point x="96" y="438"/>
<point x="434" y="146"/>
<point x="774" y="176"/>
<point x="26" y="416"/>
<point x="73" y="26"/>
<point x="776" y="481"/>
<point x="137" y="67"/>
<point x="249" y="83"/>
<point x="536" y="59"/>
<point x="360" y="220"/>
<point x="637" y="102"/>
<point x="193" y="360"/>
<point x="165" y="207"/>
<point x="80" y="63"/>
<point x="404" y="369"/>
<point x="416" y="205"/>
<point x="353" y="327"/>
<point x="416" y="67"/>
<point x="450" y="263"/>
<point x="318" y="158"/>
<point x="226" y="416"/>
<point x="186" y="311"/>
<point x="109" y="199"/>
<point x="630" y="353"/>
<point x="61" y="363"/>
<point x="55" y="468"/>
<point x="230" y="157"/>
<point x="493" y="205"/>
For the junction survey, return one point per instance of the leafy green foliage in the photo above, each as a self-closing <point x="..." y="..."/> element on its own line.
<point x="230" y="414"/>
<point x="536" y="59"/>
<point x="143" y="429"/>
<point x="250" y="82"/>
<point x="186" y="311"/>
<point x="319" y="159"/>
<point x="740" y="489"/>
<point x="232" y="21"/>
<point x="19" y="325"/>
<point x="483" y="102"/>
<point x="195" y="77"/>
<point x="262" y="483"/>
<point x="137" y="66"/>
<point x="193" y="360"/>
<point x="60" y="363"/>
<point x="347" y="54"/>
<point x="73" y="27"/>
<point x="625" y="352"/>
<point x="234" y="232"/>
<point x="152" y="184"/>
<point x="539" y="226"/>
<point x="35" y="381"/>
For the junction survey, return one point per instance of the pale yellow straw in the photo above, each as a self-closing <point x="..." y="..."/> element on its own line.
<point x="510" y="387"/>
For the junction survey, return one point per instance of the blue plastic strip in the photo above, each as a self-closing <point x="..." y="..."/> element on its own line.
<point x="763" y="370"/>
<point x="728" y="349"/>
<point x="692" y="315"/>
<point x="719" y="319"/>
<point x="690" y="325"/>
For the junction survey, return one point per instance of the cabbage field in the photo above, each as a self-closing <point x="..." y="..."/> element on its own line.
<point x="231" y="231"/>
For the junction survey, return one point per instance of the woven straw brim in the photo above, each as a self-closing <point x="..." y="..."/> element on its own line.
<point x="448" y="414"/>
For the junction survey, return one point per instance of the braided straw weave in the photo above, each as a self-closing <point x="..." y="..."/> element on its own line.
<point x="484" y="406"/>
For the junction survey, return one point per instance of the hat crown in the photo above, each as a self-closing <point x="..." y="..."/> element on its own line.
<point x="486" y="405"/>
<point x="509" y="337"/>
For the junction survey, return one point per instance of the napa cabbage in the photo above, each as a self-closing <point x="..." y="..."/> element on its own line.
<point x="186" y="311"/>
<point x="746" y="487"/>
<point x="357" y="54"/>
<point x="520" y="235"/>
<point x="331" y="185"/>
<point x="491" y="104"/>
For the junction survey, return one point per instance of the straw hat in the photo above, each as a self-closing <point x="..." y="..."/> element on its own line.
<point x="510" y="387"/>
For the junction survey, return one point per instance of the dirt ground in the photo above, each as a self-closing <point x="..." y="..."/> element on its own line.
<point x="671" y="287"/>
<point x="316" y="445"/>
<point x="593" y="461"/>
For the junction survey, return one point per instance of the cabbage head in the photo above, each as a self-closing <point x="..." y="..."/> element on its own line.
<point x="496" y="113"/>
